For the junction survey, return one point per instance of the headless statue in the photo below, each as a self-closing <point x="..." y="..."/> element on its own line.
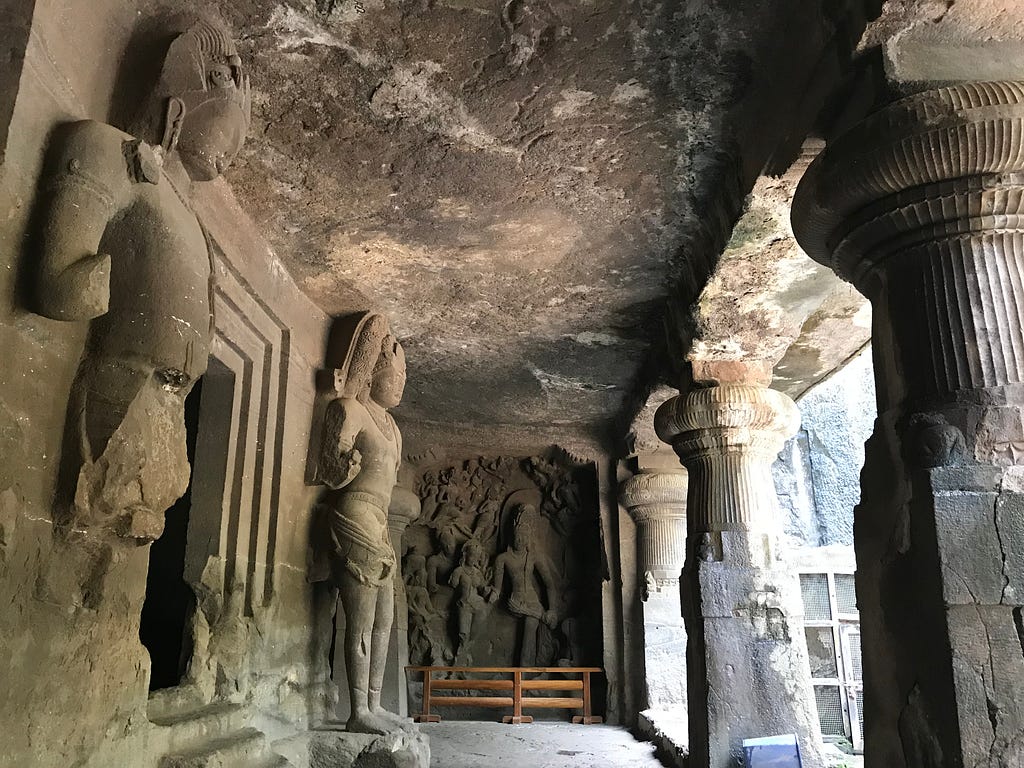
<point x="123" y="249"/>
<point x="359" y="457"/>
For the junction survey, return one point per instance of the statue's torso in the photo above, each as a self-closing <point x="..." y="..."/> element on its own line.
<point x="159" y="284"/>
<point x="379" y="455"/>
<point x="159" y="312"/>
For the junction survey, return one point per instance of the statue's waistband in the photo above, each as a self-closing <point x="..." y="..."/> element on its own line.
<point x="365" y="497"/>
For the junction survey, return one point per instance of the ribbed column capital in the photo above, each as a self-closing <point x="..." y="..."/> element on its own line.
<point x="728" y="418"/>
<point x="935" y="165"/>
<point x="657" y="501"/>
<point x="727" y="437"/>
<point x="403" y="509"/>
<point x="921" y="206"/>
<point x="655" y="496"/>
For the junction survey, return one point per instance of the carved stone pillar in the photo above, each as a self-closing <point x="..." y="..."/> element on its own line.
<point x="657" y="502"/>
<point x="748" y="673"/>
<point x="404" y="509"/>
<point x="921" y="206"/>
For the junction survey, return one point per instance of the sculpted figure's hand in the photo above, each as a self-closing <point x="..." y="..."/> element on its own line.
<point x="349" y="464"/>
<point x="550" y="618"/>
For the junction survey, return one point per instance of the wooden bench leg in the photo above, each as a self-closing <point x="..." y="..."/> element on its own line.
<point x="587" y="718"/>
<point x="425" y="716"/>
<point x="517" y="715"/>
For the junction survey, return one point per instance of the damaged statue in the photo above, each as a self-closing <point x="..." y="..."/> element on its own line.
<point x="360" y="453"/>
<point x="122" y="248"/>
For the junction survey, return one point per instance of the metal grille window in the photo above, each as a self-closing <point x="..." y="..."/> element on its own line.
<point x="846" y="594"/>
<point x="832" y="628"/>
<point x="830" y="710"/>
<point x="814" y="588"/>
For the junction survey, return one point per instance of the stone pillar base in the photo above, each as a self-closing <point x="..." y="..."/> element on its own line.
<point x="748" y="653"/>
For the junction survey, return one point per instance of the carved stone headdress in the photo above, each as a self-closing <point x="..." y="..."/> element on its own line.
<point x="192" y="58"/>
<point x="202" y="65"/>
<point x="356" y="352"/>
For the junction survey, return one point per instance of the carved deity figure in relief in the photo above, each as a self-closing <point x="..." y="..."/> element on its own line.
<point x="524" y="565"/>
<point x="122" y="249"/>
<point x="359" y="458"/>
<point x="472" y="586"/>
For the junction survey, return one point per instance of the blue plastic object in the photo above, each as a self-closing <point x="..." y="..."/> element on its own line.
<point x="771" y="752"/>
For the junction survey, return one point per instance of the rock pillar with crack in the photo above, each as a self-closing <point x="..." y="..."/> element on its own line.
<point x="748" y="672"/>
<point x="921" y="207"/>
<point x="657" y="502"/>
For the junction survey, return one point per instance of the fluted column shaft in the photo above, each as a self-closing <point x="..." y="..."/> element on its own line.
<point x="747" y="665"/>
<point x="921" y="206"/>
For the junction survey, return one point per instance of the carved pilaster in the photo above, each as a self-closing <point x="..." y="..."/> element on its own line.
<point x="727" y="437"/>
<point x="403" y="510"/>
<point x="657" y="502"/>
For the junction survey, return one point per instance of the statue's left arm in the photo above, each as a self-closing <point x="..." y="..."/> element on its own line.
<point x="88" y="187"/>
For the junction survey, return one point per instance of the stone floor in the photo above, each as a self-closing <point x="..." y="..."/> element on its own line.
<point x="455" y="744"/>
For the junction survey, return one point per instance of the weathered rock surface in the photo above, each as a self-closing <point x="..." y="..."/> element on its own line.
<point x="817" y="475"/>
<point x="330" y="747"/>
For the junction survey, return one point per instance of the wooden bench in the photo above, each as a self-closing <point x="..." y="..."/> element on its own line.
<point x="515" y="686"/>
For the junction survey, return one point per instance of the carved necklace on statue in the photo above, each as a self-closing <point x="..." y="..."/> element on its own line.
<point x="383" y="421"/>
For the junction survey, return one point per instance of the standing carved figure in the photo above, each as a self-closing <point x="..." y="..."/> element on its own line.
<point x="121" y="247"/>
<point x="359" y="457"/>
<point x="524" y="565"/>
<point x="471" y="585"/>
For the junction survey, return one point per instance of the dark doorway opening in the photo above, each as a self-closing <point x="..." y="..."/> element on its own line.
<point x="165" y="629"/>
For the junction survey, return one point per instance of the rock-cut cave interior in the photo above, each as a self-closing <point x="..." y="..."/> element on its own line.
<point x="512" y="384"/>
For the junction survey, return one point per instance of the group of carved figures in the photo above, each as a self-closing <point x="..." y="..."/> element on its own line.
<point x="123" y="249"/>
<point x="480" y="547"/>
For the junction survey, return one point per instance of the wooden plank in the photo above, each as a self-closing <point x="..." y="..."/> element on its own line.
<point x="471" y="701"/>
<point x="478" y="685"/>
<point x="505" y="669"/>
<point x="550" y="685"/>
<point x="549" y="702"/>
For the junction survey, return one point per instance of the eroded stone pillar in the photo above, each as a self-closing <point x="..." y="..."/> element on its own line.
<point x="921" y="207"/>
<point x="748" y="673"/>
<point x="404" y="509"/>
<point x="657" y="502"/>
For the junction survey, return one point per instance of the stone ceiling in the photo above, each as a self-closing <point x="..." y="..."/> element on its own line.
<point x="518" y="185"/>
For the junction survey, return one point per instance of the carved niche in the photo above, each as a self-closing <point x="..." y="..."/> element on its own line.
<point x="503" y="566"/>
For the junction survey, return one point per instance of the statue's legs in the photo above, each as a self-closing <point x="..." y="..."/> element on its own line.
<point x="360" y="603"/>
<point x="528" y="654"/>
<point x="128" y="461"/>
<point x="380" y="636"/>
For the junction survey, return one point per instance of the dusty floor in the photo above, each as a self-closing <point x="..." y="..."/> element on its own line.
<point x="539" y="745"/>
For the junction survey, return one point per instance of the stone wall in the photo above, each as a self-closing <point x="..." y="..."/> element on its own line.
<point x="817" y="476"/>
<point x="74" y="671"/>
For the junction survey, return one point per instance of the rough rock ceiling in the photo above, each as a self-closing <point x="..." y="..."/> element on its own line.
<point x="512" y="182"/>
